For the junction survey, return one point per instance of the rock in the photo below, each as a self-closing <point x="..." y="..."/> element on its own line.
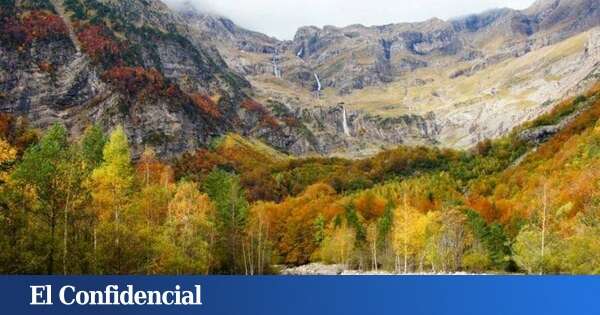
<point x="53" y="79"/>
<point x="72" y="88"/>
<point x="314" y="269"/>
<point x="539" y="135"/>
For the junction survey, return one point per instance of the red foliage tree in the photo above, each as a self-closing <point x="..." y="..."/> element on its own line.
<point x="253" y="106"/>
<point x="266" y="118"/>
<point x="135" y="79"/>
<point x="40" y="25"/>
<point x="95" y="41"/>
<point x="206" y="104"/>
<point x="173" y="91"/>
<point x="269" y="121"/>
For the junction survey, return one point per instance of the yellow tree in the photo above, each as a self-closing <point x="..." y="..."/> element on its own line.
<point x="186" y="239"/>
<point x="452" y="239"/>
<point x="421" y="234"/>
<point x="405" y="233"/>
<point x="156" y="180"/>
<point x="372" y="237"/>
<point x="338" y="246"/>
<point x="111" y="185"/>
<point x="433" y="233"/>
<point x="258" y="234"/>
<point x="8" y="154"/>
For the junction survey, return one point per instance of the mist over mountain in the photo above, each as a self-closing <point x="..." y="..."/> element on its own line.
<point x="176" y="79"/>
<point x="282" y="18"/>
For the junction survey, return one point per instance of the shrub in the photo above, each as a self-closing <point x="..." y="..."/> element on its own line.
<point x="41" y="25"/>
<point x="96" y="42"/>
<point x="253" y="106"/>
<point x="206" y="104"/>
<point x="135" y="79"/>
<point x="267" y="120"/>
<point x="477" y="261"/>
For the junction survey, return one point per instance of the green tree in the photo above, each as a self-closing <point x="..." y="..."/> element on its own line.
<point x="42" y="170"/>
<point x="492" y="237"/>
<point x="225" y="191"/>
<point x="526" y="249"/>
<point x="92" y="147"/>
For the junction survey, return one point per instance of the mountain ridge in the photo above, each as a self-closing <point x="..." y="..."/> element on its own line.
<point x="177" y="80"/>
<point x="362" y="68"/>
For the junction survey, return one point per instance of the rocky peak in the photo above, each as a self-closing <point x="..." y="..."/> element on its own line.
<point x="214" y="28"/>
<point x="139" y="65"/>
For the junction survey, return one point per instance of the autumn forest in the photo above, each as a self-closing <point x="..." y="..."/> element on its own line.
<point x="86" y="205"/>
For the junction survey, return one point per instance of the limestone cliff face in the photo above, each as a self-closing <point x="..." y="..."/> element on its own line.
<point x="178" y="78"/>
<point x="141" y="69"/>
<point x="338" y="131"/>
<point x="460" y="81"/>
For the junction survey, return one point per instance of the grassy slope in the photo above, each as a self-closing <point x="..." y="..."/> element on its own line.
<point x="406" y="95"/>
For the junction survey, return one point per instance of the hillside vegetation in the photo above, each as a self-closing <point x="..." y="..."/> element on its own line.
<point x="521" y="203"/>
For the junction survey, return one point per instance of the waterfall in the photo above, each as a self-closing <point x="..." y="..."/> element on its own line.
<point x="300" y="52"/>
<point x="318" y="82"/>
<point x="345" y="122"/>
<point x="276" y="71"/>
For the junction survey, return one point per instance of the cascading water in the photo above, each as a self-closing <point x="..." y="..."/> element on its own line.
<point x="345" y="122"/>
<point x="319" y="87"/>
<point x="318" y="82"/>
<point x="276" y="71"/>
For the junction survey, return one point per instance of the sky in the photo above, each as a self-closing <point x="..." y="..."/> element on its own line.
<point x="281" y="18"/>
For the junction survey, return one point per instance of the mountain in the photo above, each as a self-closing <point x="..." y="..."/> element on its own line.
<point x="133" y="63"/>
<point x="178" y="78"/>
<point x="451" y="83"/>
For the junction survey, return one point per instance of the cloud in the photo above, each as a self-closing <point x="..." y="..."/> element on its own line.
<point x="281" y="18"/>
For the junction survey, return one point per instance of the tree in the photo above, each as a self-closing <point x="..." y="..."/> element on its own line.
<point x="338" y="246"/>
<point x="92" y="146"/>
<point x="370" y="206"/>
<point x="8" y="154"/>
<point x="84" y="156"/>
<point x="452" y="239"/>
<point x="231" y="213"/>
<point x="544" y="214"/>
<point x="433" y="234"/>
<point x="405" y="233"/>
<point x="43" y="170"/>
<point x="151" y="171"/>
<point x="259" y="232"/>
<point x="582" y="254"/>
<point x="372" y="239"/>
<point x="491" y="237"/>
<point x="111" y="185"/>
<point x="526" y="249"/>
<point x="186" y="238"/>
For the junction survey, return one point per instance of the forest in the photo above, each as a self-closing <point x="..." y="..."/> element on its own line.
<point x="86" y="205"/>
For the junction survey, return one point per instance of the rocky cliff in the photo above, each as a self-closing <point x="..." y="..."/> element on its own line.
<point x="133" y="63"/>
<point x="451" y="83"/>
<point x="176" y="78"/>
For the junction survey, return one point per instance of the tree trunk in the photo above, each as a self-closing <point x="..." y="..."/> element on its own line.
<point x="95" y="251"/>
<point x="52" y="244"/>
<point x="65" y="234"/>
<point x="545" y="209"/>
